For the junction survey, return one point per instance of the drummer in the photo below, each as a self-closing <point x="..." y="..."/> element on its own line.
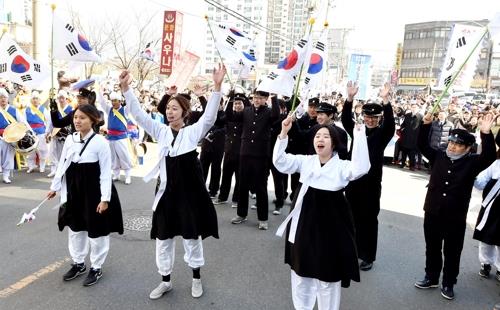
<point x="8" y="115"/>
<point x="37" y="117"/>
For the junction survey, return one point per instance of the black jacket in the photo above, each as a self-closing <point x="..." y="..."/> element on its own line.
<point x="451" y="182"/>
<point x="377" y="138"/>
<point x="299" y="136"/>
<point x="409" y="130"/>
<point x="256" y="133"/>
<point x="214" y="139"/>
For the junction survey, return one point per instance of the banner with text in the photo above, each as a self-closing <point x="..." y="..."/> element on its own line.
<point x="171" y="41"/>
<point x="359" y="71"/>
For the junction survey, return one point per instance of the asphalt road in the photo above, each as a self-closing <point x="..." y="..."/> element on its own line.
<point x="244" y="268"/>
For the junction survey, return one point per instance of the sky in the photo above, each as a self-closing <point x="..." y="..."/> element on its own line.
<point x="377" y="26"/>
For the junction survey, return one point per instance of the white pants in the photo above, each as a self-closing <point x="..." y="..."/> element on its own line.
<point x="78" y="244"/>
<point x="120" y="155"/>
<point x="7" y="154"/>
<point x="42" y="150"/>
<point x="56" y="148"/>
<point x="489" y="254"/>
<point x="165" y="254"/>
<point x="305" y="291"/>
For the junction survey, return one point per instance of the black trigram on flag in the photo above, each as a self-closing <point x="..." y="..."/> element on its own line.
<point x="26" y="77"/>
<point x="272" y="76"/>
<point x="3" y="68"/>
<point x="36" y="67"/>
<point x="72" y="49"/>
<point x="302" y="43"/>
<point x="461" y="42"/>
<point x="447" y="81"/>
<point x="307" y="80"/>
<point x="320" y="46"/>
<point x="230" y="40"/>
<point x="69" y="27"/>
<point x="452" y="62"/>
<point x="11" y="50"/>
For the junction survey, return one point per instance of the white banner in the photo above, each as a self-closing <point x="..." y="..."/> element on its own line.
<point x="19" y="67"/>
<point x="462" y="41"/>
<point x="70" y="45"/>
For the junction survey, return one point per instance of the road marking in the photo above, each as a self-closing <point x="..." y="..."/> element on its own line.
<point x="19" y="285"/>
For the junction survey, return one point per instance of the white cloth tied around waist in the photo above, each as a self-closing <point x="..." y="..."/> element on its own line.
<point x="160" y="168"/>
<point x="487" y="203"/>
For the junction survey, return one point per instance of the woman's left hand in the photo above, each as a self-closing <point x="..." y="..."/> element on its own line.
<point x="103" y="206"/>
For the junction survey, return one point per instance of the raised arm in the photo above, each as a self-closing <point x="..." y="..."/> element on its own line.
<point x="389" y="125"/>
<point x="286" y="163"/>
<point x="423" y="138"/>
<point x="488" y="149"/>
<point x="359" y="164"/>
<point x="346" y="116"/>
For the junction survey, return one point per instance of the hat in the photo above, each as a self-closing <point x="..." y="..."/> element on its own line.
<point x="261" y="93"/>
<point x="240" y="96"/>
<point x="185" y="95"/>
<point x="313" y="101"/>
<point x="62" y="93"/>
<point x="35" y="94"/>
<point x="327" y="108"/>
<point x="372" y="109"/>
<point x="83" y="92"/>
<point x="115" y="96"/>
<point x="461" y="136"/>
<point x="4" y="93"/>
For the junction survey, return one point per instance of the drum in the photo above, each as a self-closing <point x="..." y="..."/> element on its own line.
<point x="20" y="136"/>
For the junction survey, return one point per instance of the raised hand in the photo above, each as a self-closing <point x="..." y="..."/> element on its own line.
<point x="198" y="90"/>
<point x="125" y="80"/>
<point x="218" y="76"/>
<point x="172" y="90"/>
<point x="487" y="122"/>
<point x="286" y="124"/>
<point x="352" y="90"/>
<point x="385" y="93"/>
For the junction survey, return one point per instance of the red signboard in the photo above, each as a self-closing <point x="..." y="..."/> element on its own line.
<point x="171" y="41"/>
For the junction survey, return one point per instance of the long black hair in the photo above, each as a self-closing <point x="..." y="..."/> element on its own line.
<point x="334" y="136"/>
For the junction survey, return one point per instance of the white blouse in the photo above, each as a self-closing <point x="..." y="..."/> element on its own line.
<point x="186" y="141"/>
<point x="97" y="151"/>
<point x="332" y="176"/>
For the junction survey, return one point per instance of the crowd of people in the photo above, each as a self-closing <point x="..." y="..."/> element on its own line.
<point x="326" y="157"/>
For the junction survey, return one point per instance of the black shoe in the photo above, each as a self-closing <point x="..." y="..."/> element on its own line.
<point x="426" y="283"/>
<point x="447" y="292"/>
<point x="75" y="271"/>
<point x="93" y="276"/>
<point x="365" y="266"/>
<point x="485" y="270"/>
<point x="497" y="276"/>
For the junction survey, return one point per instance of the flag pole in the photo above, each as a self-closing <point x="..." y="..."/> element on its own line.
<point x="445" y="91"/>
<point x="311" y="23"/>
<point x="4" y="31"/>
<point x="218" y="52"/>
<point x="52" y="91"/>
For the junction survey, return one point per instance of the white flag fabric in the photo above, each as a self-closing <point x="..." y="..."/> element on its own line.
<point x="282" y="80"/>
<point x="463" y="39"/>
<point x="148" y="53"/>
<point x="316" y="66"/>
<point x="230" y="42"/>
<point x="19" y="67"/>
<point x="70" y="45"/>
<point x="494" y="26"/>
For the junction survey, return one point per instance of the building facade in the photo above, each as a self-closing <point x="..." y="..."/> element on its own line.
<point x="424" y="51"/>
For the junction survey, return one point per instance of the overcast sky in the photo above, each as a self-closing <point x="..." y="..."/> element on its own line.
<point x="377" y="25"/>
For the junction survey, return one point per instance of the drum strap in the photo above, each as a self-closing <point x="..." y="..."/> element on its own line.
<point x="7" y="116"/>
<point x="86" y="143"/>
<point x="120" y="116"/>
<point x="38" y="113"/>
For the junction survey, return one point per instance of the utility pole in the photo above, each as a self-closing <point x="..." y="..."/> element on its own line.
<point x="340" y="76"/>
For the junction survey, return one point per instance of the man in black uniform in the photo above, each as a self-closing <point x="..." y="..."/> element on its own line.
<point x="232" y="147"/>
<point x="255" y="149"/>
<point x="364" y="193"/>
<point x="447" y="200"/>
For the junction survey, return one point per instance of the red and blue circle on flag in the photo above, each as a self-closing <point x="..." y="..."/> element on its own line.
<point x="84" y="43"/>
<point x="19" y="64"/>
<point x="289" y="62"/>
<point x="316" y="64"/>
<point x="236" y="32"/>
<point x="249" y="56"/>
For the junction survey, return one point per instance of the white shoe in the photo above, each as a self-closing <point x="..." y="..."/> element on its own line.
<point x="253" y="207"/>
<point x="253" y="196"/>
<point x="116" y="177"/>
<point x="161" y="289"/>
<point x="6" y="179"/>
<point x="30" y="170"/>
<point x="128" y="180"/>
<point x="51" y="175"/>
<point x="42" y="170"/>
<point x="196" y="288"/>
